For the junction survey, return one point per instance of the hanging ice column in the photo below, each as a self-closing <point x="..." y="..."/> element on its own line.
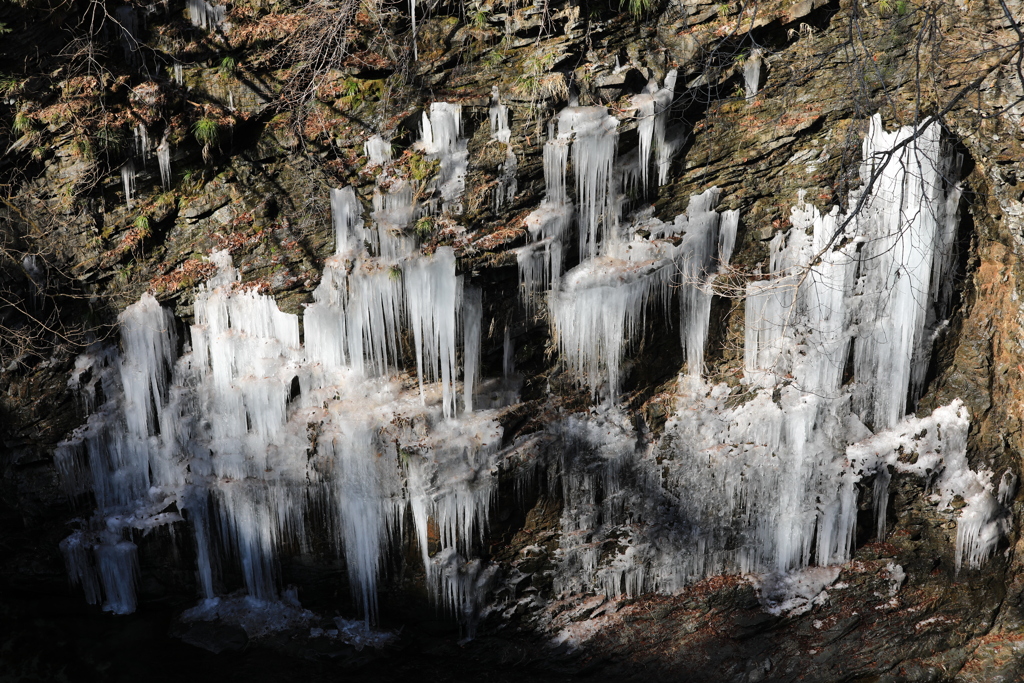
<point x="163" y="158"/>
<point x="117" y="456"/>
<point x="505" y="190"/>
<point x="378" y="150"/>
<point x="591" y="134"/>
<point x="128" y="181"/>
<point x="598" y="309"/>
<point x="142" y="141"/>
<point x="433" y="294"/>
<point x="771" y="484"/>
<point x="752" y="74"/>
<point x="653" y="107"/>
<point x="346" y="213"/>
<point x="595" y="137"/>
<point x="540" y="262"/>
<point x="245" y="354"/>
<point x="908" y="224"/>
<point x="229" y="443"/>
<point x="708" y="241"/>
<point x="905" y="225"/>
<point x="204" y="15"/>
<point x="798" y="321"/>
<point x="440" y="139"/>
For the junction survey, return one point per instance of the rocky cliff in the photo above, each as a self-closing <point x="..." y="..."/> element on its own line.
<point x="171" y="148"/>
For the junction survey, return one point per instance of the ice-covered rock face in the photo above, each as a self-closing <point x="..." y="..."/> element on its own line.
<point x="257" y="434"/>
<point x="251" y="428"/>
<point x="225" y="435"/>
<point x="770" y="485"/>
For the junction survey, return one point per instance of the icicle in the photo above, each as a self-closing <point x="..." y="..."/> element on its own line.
<point x="225" y="432"/>
<point x="373" y="310"/>
<point x="540" y="263"/>
<point x="645" y="106"/>
<point x="440" y="139"/>
<point x="665" y="146"/>
<point x="348" y="226"/>
<point x="653" y="107"/>
<point x="599" y="307"/>
<point x="378" y="150"/>
<point x="163" y="157"/>
<point x="505" y="190"/>
<point x="393" y="211"/>
<point x="498" y="115"/>
<point x="472" y="317"/>
<point x="904" y="224"/>
<point x="752" y="75"/>
<point x="142" y="141"/>
<point x="432" y="296"/>
<point x="704" y="245"/>
<point x="595" y="137"/>
<point x="118" y="566"/>
<point x="368" y="495"/>
<point x="204" y="15"/>
<point x="179" y="73"/>
<point x="452" y="483"/>
<point x="147" y="334"/>
<point x="128" y="180"/>
<point x="798" y="323"/>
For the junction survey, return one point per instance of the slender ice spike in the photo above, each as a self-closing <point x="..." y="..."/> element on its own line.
<point x="472" y="317"/>
<point x="163" y="157"/>
<point x="348" y="224"/>
<point x="752" y="74"/>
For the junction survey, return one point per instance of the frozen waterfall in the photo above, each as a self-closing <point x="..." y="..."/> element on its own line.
<point x="224" y="432"/>
<point x="261" y="438"/>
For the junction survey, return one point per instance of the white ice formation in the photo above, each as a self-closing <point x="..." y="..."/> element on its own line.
<point x="163" y="158"/>
<point x="204" y="15"/>
<point x="654" y="107"/>
<point x="599" y="308"/>
<point x="752" y="74"/>
<point x="142" y="141"/>
<point x="506" y="187"/>
<point x="590" y="133"/>
<point x="766" y="481"/>
<point x="257" y="438"/>
<point x="377" y="150"/>
<point x="259" y="434"/>
<point x="128" y="181"/>
<point x="440" y="139"/>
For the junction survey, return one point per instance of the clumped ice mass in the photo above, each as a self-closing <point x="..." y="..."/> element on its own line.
<point x="255" y="437"/>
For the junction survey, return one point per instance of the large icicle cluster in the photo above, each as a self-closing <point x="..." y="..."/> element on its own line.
<point x="258" y="436"/>
<point x="440" y="138"/>
<point x="599" y="307"/>
<point x="591" y="135"/>
<point x="251" y="430"/>
<point x="877" y="278"/>
<point x="205" y="15"/>
<point x="769" y="483"/>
